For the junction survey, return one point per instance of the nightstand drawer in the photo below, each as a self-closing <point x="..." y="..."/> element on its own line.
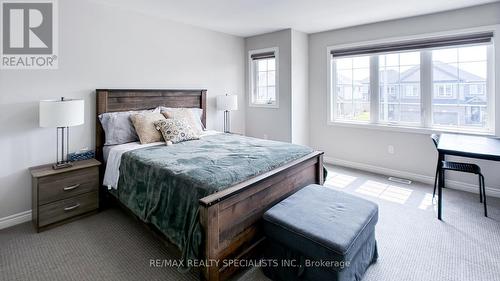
<point x="67" y="208"/>
<point x="65" y="185"/>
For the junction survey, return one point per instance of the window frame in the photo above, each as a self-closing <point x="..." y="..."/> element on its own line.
<point x="426" y="85"/>
<point x="252" y="78"/>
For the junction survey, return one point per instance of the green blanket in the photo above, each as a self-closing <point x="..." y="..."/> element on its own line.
<point x="162" y="184"/>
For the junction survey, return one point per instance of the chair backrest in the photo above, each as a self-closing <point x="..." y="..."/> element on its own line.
<point x="435" y="139"/>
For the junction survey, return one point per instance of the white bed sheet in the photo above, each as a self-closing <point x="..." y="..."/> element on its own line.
<point x="114" y="157"/>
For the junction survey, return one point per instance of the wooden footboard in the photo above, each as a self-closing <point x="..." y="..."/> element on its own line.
<point x="231" y="218"/>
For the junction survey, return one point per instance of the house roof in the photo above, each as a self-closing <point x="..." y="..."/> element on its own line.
<point x="446" y="72"/>
<point x="442" y="72"/>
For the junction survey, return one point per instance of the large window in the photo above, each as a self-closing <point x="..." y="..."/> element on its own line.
<point x="441" y="83"/>
<point x="263" y="78"/>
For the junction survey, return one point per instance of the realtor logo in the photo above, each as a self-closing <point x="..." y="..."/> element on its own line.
<point x="29" y="38"/>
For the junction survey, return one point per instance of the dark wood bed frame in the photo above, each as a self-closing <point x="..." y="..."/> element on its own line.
<point x="231" y="218"/>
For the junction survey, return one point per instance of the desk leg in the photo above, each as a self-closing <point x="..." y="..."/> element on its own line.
<point x="440" y="185"/>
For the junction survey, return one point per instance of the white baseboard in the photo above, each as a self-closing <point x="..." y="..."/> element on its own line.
<point x="490" y="191"/>
<point x="15" y="219"/>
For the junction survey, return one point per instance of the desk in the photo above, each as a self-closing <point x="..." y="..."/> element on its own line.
<point x="477" y="147"/>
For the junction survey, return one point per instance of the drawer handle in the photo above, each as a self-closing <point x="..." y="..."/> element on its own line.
<point x="72" y="207"/>
<point x="71" y="187"/>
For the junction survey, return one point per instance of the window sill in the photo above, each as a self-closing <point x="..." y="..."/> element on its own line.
<point x="264" y="105"/>
<point x="408" y="129"/>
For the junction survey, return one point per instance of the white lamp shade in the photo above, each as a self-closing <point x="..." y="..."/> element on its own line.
<point x="61" y="113"/>
<point x="227" y="102"/>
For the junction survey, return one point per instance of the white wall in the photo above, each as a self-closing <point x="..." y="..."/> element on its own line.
<point x="273" y="123"/>
<point x="101" y="47"/>
<point x="414" y="153"/>
<point x="289" y="122"/>
<point x="300" y="89"/>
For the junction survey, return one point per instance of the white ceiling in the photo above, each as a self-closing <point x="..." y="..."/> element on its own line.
<point x="251" y="17"/>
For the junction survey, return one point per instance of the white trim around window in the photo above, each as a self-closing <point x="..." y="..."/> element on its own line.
<point x="251" y="77"/>
<point x="493" y="80"/>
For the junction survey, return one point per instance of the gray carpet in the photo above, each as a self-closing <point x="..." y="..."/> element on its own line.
<point x="413" y="244"/>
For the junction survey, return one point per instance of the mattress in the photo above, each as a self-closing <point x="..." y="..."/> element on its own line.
<point x="112" y="157"/>
<point x="163" y="184"/>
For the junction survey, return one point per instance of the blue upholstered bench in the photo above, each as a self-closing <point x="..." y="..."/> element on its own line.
<point x="320" y="234"/>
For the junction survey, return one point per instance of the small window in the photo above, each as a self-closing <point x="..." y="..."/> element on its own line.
<point x="411" y="91"/>
<point x="264" y="77"/>
<point x="444" y="91"/>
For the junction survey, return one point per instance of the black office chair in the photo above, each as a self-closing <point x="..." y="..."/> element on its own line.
<point x="460" y="167"/>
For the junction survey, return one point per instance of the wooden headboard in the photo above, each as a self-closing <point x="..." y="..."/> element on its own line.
<point x="112" y="100"/>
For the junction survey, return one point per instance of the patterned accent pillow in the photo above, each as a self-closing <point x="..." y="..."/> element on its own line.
<point x="176" y="130"/>
<point x="191" y="115"/>
<point x="145" y="127"/>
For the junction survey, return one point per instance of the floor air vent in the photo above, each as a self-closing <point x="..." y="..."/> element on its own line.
<point x="399" y="180"/>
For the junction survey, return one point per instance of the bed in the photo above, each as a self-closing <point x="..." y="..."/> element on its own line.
<point x="229" y="217"/>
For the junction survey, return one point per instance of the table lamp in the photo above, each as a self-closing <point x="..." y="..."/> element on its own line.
<point x="227" y="103"/>
<point x="61" y="114"/>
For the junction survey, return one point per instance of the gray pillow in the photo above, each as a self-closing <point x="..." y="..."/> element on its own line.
<point x="118" y="127"/>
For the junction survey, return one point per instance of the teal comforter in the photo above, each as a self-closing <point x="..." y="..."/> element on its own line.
<point x="162" y="184"/>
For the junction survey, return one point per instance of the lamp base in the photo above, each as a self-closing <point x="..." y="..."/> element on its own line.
<point x="227" y="122"/>
<point x="63" y="165"/>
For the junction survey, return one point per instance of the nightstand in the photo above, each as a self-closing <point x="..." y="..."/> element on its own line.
<point x="61" y="196"/>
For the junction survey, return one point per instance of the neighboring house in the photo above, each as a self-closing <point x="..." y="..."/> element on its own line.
<point x="459" y="97"/>
<point x="357" y="91"/>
